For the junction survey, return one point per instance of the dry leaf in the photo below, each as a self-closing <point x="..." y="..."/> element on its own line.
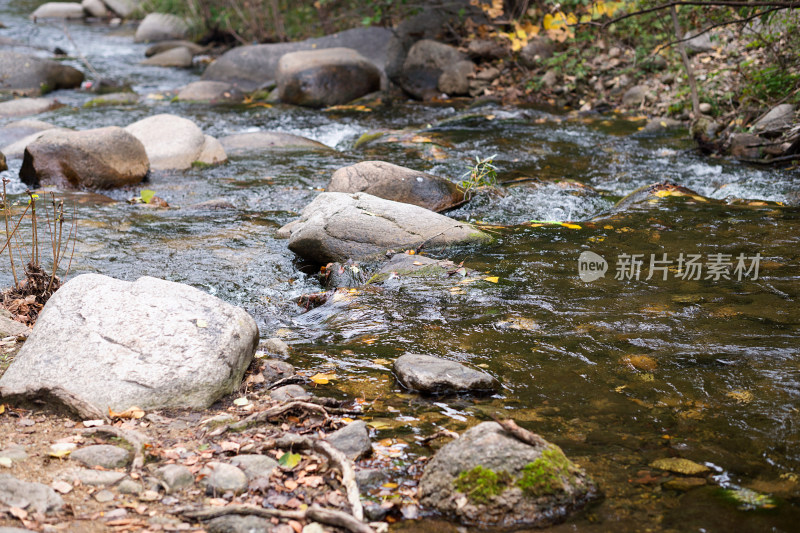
<point x="241" y="402"/>
<point x="322" y="379"/>
<point x="133" y="412"/>
<point x="491" y="279"/>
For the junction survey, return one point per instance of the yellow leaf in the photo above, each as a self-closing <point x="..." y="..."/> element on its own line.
<point x="347" y="420"/>
<point x="570" y="226"/>
<point x="491" y="279"/>
<point x="322" y="379"/>
<point x="389" y="485"/>
<point x="133" y="412"/>
<point x="381" y="361"/>
<point x="59" y="454"/>
<point x="241" y="402"/>
<point x="2" y="408"/>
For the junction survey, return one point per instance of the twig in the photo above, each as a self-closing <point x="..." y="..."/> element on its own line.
<point x="80" y="54"/>
<point x="697" y="3"/>
<point x="324" y="516"/>
<point x="272" y="412"/>
<point x="440" y="433"/>
<point x="521" y="434"/>
<point x="686" y="64"/>
<point x="8" y="236"/>
<point x="136" y="439"/>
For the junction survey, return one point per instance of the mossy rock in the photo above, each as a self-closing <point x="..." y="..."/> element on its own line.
<point x="489" y="478"/>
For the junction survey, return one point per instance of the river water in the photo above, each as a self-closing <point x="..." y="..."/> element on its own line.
<point x="618" y="372"/>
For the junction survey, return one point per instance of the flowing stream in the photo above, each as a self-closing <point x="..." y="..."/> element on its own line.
<point x="618" y="372"/>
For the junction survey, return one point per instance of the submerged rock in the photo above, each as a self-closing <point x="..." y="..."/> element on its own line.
<point x="425" y="373"/>
<point x="254" y="67"/>
<point x="653" y="192"/>
<point x="102" y="158"/>
<point x="174" y="143"/>
<point x="149" y="343"/>
<point x="400" y="184"/>
<point x="679" y="466"/>
<point x="338" y="226"/>
<point x="113" y="99"/>
<point x="33" y="74"/>
<point x="331" y="76"/>
<point x="267" y="141"/>
<point x="489" y="478"/>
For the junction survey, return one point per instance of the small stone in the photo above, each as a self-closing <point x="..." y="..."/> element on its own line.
<point x="679" y="466"/>
<point x="31" y="496"/>
<point x="61" y="486"/>
<point x="275" y="370"/>
<point x="175" y="477"/>
<point x="288" y="393"/>
<point x="150" y="496"/>
<point x="352" y="440"/>
<point x="313" y="527"/>
<point x="104" y="455"/>
<point x="276" y="346"/>
<point x="91" y="477"/>
<point x="705" y="107"/>
<point x="375" y="512"/>
<point x="369" y="478"/>
<point x="115" y="514"/>
<point x="104" y="496"/>
<point x="685" y="483"/>
<point x="129" y="486"/>
<point x="221" y="477"/>
<point x="255" y="466"/>
<point x="14" y="453"/>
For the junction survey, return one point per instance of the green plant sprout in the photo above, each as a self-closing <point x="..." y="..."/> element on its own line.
<point x="482" y="175"/>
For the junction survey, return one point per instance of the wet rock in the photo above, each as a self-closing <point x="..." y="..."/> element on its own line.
<point x="214" y="204"/>
<point x="778" y="119"/>
<point x="662" y="124"/>
<point x="267" y="141"/>
<point x="685" y="484"/>
<point x="103" y="455"/>
<point x="102" y="158"/>
<point x="32" y="74"/>
<point x="370" y="478"/>
<point x="12" y="328"/>
<point x="175" y="477"/>
<point x="425" y="373"/>
<point x="643" y="195"/>
<point x="537" y="50"/>
<point x="3" y="165"/>
<point x="352" y="440"/>
<point x="239" y="524"/>
<point x="331" y="76"/>
<point x="424" y="64"/>
<point x="95" y="8"/>
<point x="221" y="477"/>
<point x="161" y="27"/>
<point x="30" y="496"/>
<point x="175" y="57"/>
<point x="254" y="466"/>
<point x="165" y="46"/>
<point x="171" y="142"/>
<point x="113" y="99"/>
<point x="26" y="106"/>
<point x="91" y="477"/>
<point x="59" y="10"/>
<point x="338" y="275"/>
<point x="254" y="67"/>
<point x="123" y="8"/>
<point x="400" y="184"/>
<point x="288" y="393"/>
<point x="746" y="146"/>
<point x="15" y="136"/>
<point x="212" y="92"/>
<point x="149" y="343"/>
<point x="455" y="79"/>
<point x="374" y="511"/>
<point x="634" y="96"/>
<point x="486" y="49"/>
<point x="276" y="346"/>
<point x="679" y="466"/>
<point x="212" y="153"/>
<point x="338" y="226"/>
<point x="275" y="370"/>
<point x="489" y="478"/>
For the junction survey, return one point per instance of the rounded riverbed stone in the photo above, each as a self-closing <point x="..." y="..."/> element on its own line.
<point x="218" y="478"/>
<point x="430" y="374"/>
<point x="103" y="455"/>
<point x="175" y="477"/>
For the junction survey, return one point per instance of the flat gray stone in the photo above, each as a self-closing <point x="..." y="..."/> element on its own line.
<point x="26" y="106"/>
<point x="779" y="117"/>
<point x="239" y="524"/>
<point x="254" y="466"/>
<point x="175" y="476"/>
<point x="288" y="393"/>
<point x="352" y="440"/>
<point x="425" y="373"/>
<point x="222" y="477"/>
<point x="268" y="141"/>
<point x="276" y="346"/>
<point x="36" y="75"/>
<point x="30" y="496"/>
<point x="12" y="328"/>
<point x="91" y="477"/>
<point x="129" y="486"/>
<point x="104" y="496"/>
<point x="105" y="455"/>
<point x="149" y="343"/>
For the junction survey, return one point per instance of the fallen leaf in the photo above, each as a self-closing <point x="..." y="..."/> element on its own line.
<point x="291" y="484"/>
<point x="16" y="512"/>
<point x="6" y="462"/>
<point x="290" y="460"/>
<point x="241" y="402"/>
<point x="322" y="379"/>
<point x="491" y="279"/>
<point x="59" y="454"/>
<point x="381" y="361"/>
<point x="297" y="526"/>
<point x="229" y="446"/>
<point x="132" y="412"/>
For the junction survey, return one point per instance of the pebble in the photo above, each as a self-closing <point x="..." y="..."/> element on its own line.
<point x="104" y="496"/>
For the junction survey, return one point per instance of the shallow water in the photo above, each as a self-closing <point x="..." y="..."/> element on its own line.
<point x="720" y="381"/>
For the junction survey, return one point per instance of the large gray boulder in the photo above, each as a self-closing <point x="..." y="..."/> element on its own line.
<point x="150" y="343"/>
<point x="488" y="477"/>
<point x="425" y="63"/>
<point x="779" y="118"/>
<point x="331" y="76"/>
<point x="254" y="67"/>
<point x="26" y="106"/>
<point x="161" y="27"/>
<point x="101" y="158"/>
<point x="400" y="184"/>
<point x="268" y="141"/>
<point x="174" y="143"/>
<point x="425" y="373"/>
<point x="33" y="497"/>
<point x="21" y="72"/>
<point x="338" y="226"/>
<point x="59" y="10"/>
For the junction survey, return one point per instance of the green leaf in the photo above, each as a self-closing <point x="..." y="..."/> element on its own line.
<point x="290" y="460"/>
<point x="147" y="195"/>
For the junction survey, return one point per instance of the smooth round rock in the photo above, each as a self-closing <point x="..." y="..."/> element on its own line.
<point x="222" y="477"/>
<point x="425" y="373"/>
<point x="103" y="455"/>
